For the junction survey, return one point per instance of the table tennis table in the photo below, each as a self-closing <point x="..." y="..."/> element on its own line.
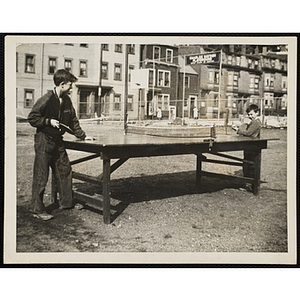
<point x="122" y="147"/>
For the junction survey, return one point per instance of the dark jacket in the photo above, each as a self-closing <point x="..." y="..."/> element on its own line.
<point x="252" y="129"/>
<point x="48" y="107"/>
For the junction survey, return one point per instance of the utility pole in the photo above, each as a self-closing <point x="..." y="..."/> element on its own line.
<point x="126" y="89"/>
<point x="220" y="77"/>
<point x="183" y="90"/>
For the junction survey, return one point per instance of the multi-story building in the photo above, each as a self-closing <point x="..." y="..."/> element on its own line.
<point x="37" y="63"/>
<point x="162" y="62"/>
<point x="94" y="93"/>
<point x="188" y="89"/>
<point x="247" y="76"/>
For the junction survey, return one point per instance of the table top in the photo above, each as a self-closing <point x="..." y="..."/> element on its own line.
<point x="138" y="139"/>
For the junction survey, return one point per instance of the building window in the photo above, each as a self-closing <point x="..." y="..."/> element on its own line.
<point x="151" y="77"/>
<point x="269" y="80"/>
<point x="211" y="76"/>
<point x="284" y="82"/>
<point x="68" y="44"/>
<point x="28" y="101"/>
<point x="83" y="45"/>
<point x="169" y="55"/>
<point x="130" y="102"/>
<point x="256" y="82"/>
<point x="164" y="78"/>
<point x="156" y="53"/>
<point x="117" y="102"/>
<point x="131" y="48"/>
<point x="229" y="59"/>
<point x="104" y="47"/>
<point x="230" y="79"/>
<point x="29" y="63"/>
<point x="129" y="73"/>
<point x="235" y="80"/>
<point x="118" y="48"/>
<point x="251" y="82"/>
<point x="52" y="65"/>
<point x="187" y="81"/>
<point x="68" y="65"/>
<point x="163" y="101"/>
<point x="238" y="60"/>
<point x="118" y="72"/>
<point x="83" y="68"/>
<point x="104" y="70"/>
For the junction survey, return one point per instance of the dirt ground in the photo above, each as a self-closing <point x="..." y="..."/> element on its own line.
<point x="160" y="208"/>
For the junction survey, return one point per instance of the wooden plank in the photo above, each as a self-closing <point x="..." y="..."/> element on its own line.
<point x="93" y="200"/>
<point x="225" y="176"/>
<point x="86" y="158"/>
<point x="85" y="177"/>
<point x="222" y="162"/>
<point x="232" y="157"/>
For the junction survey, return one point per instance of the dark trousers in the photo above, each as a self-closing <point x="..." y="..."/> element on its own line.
<point x="49" y="153"/>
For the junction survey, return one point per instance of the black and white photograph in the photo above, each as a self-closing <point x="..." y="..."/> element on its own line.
<point x="150" y="149"/>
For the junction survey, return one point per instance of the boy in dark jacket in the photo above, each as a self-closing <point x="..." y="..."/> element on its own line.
<point x="253" y="130"/>
<point x="50" y="114"/>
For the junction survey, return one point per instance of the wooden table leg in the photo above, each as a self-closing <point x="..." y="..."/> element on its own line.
<point x="257" y="164"/>
<point x="106" y="190"/>
<point x="198" y="169"/>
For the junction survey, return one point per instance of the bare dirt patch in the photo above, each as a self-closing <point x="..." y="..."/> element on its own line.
<point x="160" y="208"/>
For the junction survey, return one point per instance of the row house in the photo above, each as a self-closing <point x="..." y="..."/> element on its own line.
<point x="36" y="64"/>
<point x="161" y="61"/>
<point x="246" y="77"/>
<point x="100" y="69"/>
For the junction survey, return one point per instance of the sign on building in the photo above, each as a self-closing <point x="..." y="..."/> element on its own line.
<point x="203" y="58"/>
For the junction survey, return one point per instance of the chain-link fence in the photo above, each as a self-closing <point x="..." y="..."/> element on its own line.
<point x="191" y="108"/>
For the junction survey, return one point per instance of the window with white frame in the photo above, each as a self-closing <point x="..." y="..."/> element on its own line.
<point x="104" y="47"/>
<point x="131" y="48"/>
<point x="163" y="101"/>
<point x="256" y="82"/>
<point x="187" y="81"/>
<point x="118" y="72"/>
<point x="28" y="99"/>
<point x="129" y="73"/>
<point x="29" y="63"/>
<point x="83" y="68"/>
<point x="118" y="48"/>
<point x="251" y="82"/>
<point x="169" y="55"/>
<point x="235" y="80"/>
<point x="238" y="60"/>
<point x="156" y="53"/>
<point x="151" y="77"/>
<point x="230" y="79"/>
<point x="117" y="102"/>
<point x="269" y="80"/>
<point x="164" y="78"/>
<point x="211" y="76"/>
<point x="130" y="102"/>
<point x="52" y="65"/>
<point x="104" y="70"/>
<point x="284" y="82"/>
<point x="68" y="64"/>
<point x="229" y="59"/>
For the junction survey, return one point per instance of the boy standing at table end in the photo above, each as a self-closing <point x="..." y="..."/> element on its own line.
<point x="50" y="114"/>
<point x="252" y="130"/>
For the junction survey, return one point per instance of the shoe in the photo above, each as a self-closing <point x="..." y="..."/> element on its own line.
<point x="43" y="216"/>
<point x="78" y="206"/>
